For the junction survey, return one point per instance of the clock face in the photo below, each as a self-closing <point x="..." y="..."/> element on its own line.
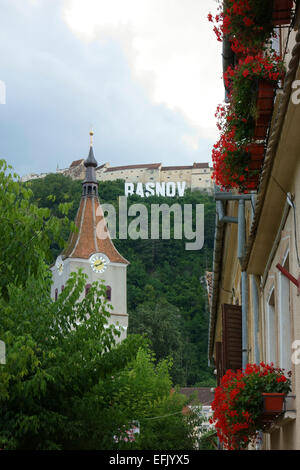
<point x="99" y="263"/>
<point x="59" y="265"/>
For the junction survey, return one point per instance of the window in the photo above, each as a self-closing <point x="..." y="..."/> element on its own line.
<point x="276" y="41"/>
<point x="56" y="294"/>
<point x="87" y="288"/>
<point x="62" y="288"/>
<point x="284" y="317"/>
<point x="108" y="292"/>
<point x="271" y="328"/>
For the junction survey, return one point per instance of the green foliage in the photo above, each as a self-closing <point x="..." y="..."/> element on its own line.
<point x="67" y="384"/>
<point x="208" y="440"/>
<point x="25" y="231"/>
<point x="161" y="322"/>
<point x="162" y="272"/>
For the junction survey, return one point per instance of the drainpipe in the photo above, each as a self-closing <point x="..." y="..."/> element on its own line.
<point x="228" y="59"/>
<point x="241" y="253"/>
<point x="255" y="298"/>
<point x="244" y="319"/>
<point x="221" y="215"/>
<point x="241" y="230"/>
<point x="255" y="301"/>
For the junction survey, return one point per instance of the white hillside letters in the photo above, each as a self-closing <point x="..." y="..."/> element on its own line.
<point x="169" y="189"/>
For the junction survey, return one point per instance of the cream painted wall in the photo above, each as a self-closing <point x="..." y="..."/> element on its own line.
<point x="114" y="276"/>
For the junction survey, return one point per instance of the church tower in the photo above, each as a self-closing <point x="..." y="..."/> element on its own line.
<point x="92" y="250"/>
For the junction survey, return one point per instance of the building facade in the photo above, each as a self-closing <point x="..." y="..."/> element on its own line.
<point x="255" y="300"/>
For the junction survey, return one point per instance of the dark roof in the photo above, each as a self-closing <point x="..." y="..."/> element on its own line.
<point x="167" y="168"/>
<point x="132" y="167"/>
<point x="204" y="395"/>
<point x="201" y="165"/>
<point x="186" y="167"/>
<point x="77" y="162"/>
<point x="91" y="161"/>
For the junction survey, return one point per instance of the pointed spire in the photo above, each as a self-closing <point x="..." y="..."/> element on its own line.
<point x="90" y="184"/>
<point x="91" y="161"/>
<point x="87" y="240"/>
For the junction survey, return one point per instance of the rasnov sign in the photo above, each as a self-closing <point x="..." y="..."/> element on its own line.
<point x="169" y="189"/>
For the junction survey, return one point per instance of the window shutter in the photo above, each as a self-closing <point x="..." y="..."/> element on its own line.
<point x="232" y="336"/>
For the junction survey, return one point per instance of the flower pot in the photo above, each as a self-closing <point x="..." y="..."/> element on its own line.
<point x="265" y="97"/>
<point x="256" y="156"/>
<point x="261" y="126"/>
<point x="273" y="403"/>
<point x="282" y="12"/>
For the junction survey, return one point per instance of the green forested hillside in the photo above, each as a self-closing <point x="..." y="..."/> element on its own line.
<point x="167" y="298"/>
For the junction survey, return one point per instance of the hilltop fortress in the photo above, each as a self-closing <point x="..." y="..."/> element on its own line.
<point x="196" y="176"/>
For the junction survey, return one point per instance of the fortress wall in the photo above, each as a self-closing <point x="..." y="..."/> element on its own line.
<point x="195" y="177"/>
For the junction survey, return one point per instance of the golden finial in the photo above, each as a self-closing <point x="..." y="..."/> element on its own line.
<point x="91" y="136"/>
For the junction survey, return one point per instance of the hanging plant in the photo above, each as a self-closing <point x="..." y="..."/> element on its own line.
<point x="232" y="164"/>
<point x="249" y="24"/>
<point x="243" y="82"/>
<point x="237" y="158"/>
<point x="238" y="408"/>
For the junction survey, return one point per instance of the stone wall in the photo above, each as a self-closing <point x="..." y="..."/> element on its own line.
<point x="197" y="176"/>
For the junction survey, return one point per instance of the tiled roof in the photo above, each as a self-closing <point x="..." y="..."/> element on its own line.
<point x="88" y="240"/>
<point x="204" y="395"/>
<point x="187" y="167"/>
<point x="201" y="165"/>
<point x="167" y="168"/>
<point x="77" y="162"/>
<point x="133" y="167"/>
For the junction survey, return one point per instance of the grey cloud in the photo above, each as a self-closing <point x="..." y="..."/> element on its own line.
<point x="57" y="86"/>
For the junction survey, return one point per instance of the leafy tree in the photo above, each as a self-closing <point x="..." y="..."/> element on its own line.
<point x="25" y="231"/>
<point x="208" y="440"/>
<point x="173" y="273"/>
<point x="161" y="322"/>
<point x="67" y="384"/>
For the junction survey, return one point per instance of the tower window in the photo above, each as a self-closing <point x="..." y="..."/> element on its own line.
<point x="108" y="292"/>
<point x="56" y="294"/>
<point x="62" y="288"/>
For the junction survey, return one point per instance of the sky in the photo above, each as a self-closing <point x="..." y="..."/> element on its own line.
<point x="144" y="74"/>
